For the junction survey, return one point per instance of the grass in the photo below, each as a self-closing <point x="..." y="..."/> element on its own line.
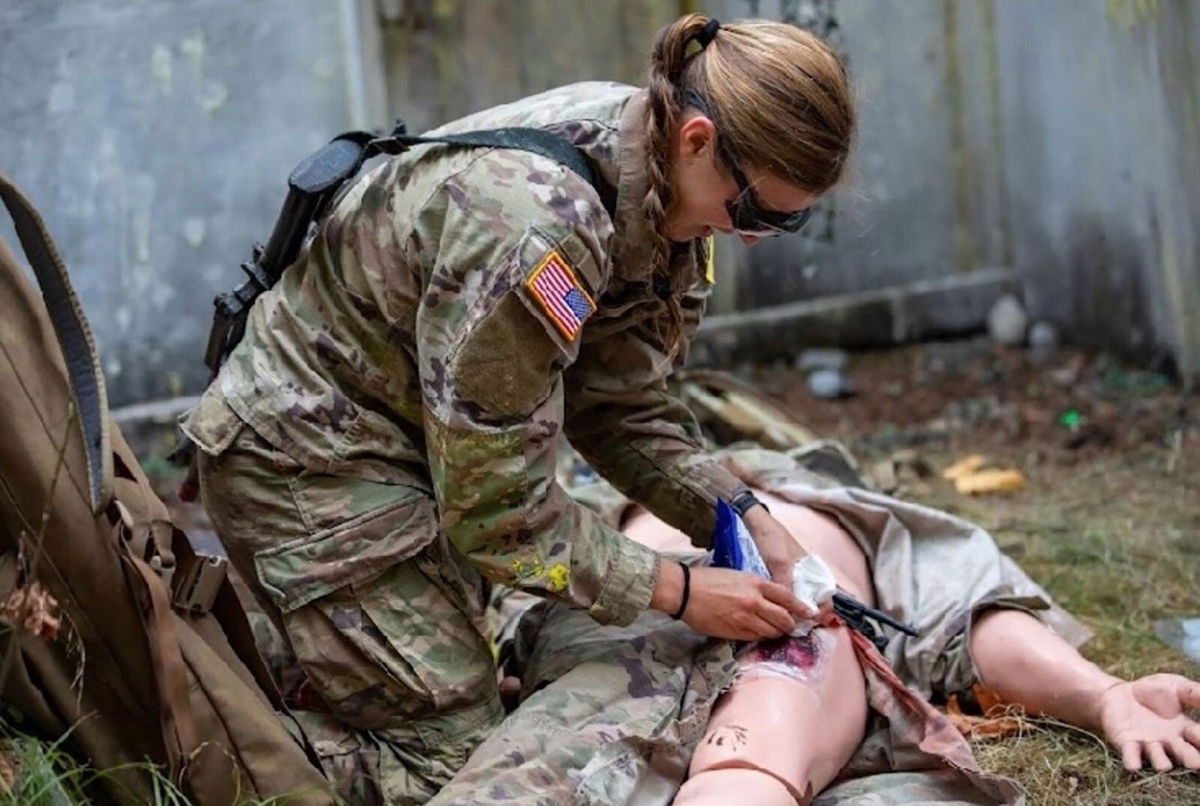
<point x="1113" y="533"/>
<point x="42" y="773"/>
<point x="1115" y="538"/>
<point x="35" y="772"/>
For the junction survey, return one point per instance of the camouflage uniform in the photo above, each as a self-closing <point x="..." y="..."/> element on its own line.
<point x="384" y="438"/>
<point x="612" y="715"/>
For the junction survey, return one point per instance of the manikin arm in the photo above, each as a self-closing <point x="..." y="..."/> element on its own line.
<point x="1026" y="663"/>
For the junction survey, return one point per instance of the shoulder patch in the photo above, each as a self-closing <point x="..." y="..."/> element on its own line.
<point x="559" y="293"/>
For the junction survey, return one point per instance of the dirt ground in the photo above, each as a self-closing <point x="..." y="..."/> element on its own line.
<point x="1109" y="521"/>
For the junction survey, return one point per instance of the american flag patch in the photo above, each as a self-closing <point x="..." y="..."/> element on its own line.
<point x="554" y="286"/>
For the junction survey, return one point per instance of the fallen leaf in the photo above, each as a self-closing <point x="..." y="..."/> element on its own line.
<point x="990" y="481"/>
<point x="32" y="607"/>
<point x="996" y="721"/>
<point x="963" y="467"/>
<point x="8" y="778"/>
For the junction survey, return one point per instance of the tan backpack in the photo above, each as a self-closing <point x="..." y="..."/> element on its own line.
<point x="154" y="659"/>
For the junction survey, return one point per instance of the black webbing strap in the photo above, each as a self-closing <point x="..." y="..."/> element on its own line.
<point x="74" y="338"/>
<point x="538" y="141"/>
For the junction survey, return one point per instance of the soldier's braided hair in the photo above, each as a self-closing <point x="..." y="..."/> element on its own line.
<point x="780" y="100"/>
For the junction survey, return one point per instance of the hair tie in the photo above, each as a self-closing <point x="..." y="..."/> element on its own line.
<point x="662" y="287"/>
<point x="706" y="34"/>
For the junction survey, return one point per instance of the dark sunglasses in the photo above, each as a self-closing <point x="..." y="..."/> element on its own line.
<point x="745" y="212"/>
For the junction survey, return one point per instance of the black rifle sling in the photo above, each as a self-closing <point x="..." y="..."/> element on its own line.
<point x="74" y="338"/>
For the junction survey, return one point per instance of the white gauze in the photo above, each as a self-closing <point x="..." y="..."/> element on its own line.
<point x="814" y="585"/>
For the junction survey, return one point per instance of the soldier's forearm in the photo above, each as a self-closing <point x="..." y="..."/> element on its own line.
<point x="560" y="549"/>
<point x="673" y="478"/>
<point x="668" y="593"/>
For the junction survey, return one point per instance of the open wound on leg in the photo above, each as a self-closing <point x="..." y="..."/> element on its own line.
<point x="804" y="658"/>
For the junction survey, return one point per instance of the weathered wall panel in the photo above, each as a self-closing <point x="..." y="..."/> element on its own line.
<point x="156" y="138"/>
<point x="1060" y="139"/>
<point x="446" y="58"/>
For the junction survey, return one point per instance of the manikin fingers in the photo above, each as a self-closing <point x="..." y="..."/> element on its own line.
<point x="1184" y="754"/>
<point x="1158" y="757"/>
<point x="1131" y="756"/>
<point x="1189" y="694"/>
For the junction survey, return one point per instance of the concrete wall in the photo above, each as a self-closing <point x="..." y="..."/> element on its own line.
<point x="156" y="138"/>
<point x="446" y="58"/>
<point x="1061" y="140"/>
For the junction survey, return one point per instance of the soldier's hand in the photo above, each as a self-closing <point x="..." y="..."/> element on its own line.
<point x="724" y="603"/>
<point x="779" y="550"/>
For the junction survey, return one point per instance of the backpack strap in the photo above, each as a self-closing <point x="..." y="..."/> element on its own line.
<point x="74" y="337"/>
<point x="314" y="186"/>
<point x="538" y="141"/>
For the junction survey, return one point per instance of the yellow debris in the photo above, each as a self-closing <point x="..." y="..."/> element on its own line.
<point x="990" y="481"/>
<point x="963" y="467"/>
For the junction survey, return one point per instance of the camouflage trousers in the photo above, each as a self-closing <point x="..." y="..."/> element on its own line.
<point x="380" y="615"/>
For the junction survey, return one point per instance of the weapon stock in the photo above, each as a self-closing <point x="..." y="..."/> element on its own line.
<point x="856" y="613"/>
<point x="311" y="186"/>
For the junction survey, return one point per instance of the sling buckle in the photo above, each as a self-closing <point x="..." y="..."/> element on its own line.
<point x="197" y="585"/>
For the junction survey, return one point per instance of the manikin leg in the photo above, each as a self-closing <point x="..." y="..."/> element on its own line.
<point x="1026" y="663"/>
<point x="798" y="710"/>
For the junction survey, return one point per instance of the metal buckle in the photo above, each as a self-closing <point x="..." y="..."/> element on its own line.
<point x="199" y="583"/>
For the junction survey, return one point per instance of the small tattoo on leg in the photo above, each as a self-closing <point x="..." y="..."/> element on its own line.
<point x="731" y="736"/>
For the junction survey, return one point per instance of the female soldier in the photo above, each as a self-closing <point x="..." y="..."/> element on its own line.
<point x="383" y="439"/>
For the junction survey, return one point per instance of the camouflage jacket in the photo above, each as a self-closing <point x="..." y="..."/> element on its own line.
<point x="458" y="308"/>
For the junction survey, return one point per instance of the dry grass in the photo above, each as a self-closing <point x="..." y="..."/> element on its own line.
<point x="1117" y="541"/>
<point x="1109" y="523"/>
<point x="1115" y="538"/>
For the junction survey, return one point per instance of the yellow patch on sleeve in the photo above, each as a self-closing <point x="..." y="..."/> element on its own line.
<point x="558" y="577"/>
<point x="557" y="290"/>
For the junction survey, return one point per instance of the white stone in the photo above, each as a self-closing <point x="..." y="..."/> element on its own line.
<point x="1007" y="320"/>
<point x="1043" y="337"/>
<point x="827" y="384"/>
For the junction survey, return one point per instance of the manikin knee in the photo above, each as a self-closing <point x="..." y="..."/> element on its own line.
<point x="736" y="785"/>
<point x="721" y="786"/>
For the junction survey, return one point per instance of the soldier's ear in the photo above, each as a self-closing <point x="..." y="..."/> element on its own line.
<point x="696" y="138"/>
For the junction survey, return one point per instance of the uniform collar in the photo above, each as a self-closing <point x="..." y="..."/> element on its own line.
<point x="633" y="241"/>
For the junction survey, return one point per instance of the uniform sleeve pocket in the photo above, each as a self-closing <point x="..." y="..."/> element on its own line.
<point x="310" y="567"/>
<point x="213" y="425"/>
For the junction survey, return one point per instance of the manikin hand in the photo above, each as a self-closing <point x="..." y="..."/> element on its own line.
<point x="1146" y="718"/>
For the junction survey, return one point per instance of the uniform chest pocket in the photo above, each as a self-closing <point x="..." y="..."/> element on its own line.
<point x="355" y="549"/>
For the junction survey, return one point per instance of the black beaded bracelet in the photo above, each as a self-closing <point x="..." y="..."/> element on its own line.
<point x="743" y="502"/>
<point x="687" y="590"/>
